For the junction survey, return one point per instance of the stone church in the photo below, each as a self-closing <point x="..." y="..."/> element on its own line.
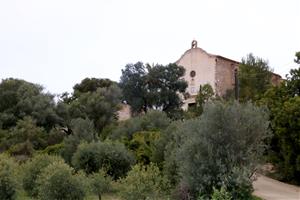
<point x="205" y="68"/>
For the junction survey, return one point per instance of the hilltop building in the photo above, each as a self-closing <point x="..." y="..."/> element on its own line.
<point x="205" y="68"/>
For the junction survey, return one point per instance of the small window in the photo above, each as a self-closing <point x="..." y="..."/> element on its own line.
<point x="193" y="74"/>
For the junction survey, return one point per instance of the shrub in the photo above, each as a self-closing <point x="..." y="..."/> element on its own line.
<point x="82" y="130"/>
<point x="27" y="131"/>
<point x="168" y="145"/>
<point x="143" y="182"/>
<point x="25" y="149"/>
<point x="113" y="157"/>
<point x="151" y="121"/>
<point x="57" y="182"/>
<point x="53" y="149"/>
<point x="55" y="136"/>
<point x="8" y="182"/>
<point x="220" y="148"/>
<point x="100" y="183"/>
<point x="32" y="170"/>
<point x="23" y="139"/>
<point x="238" y="183"/>
<point x="143" y="145"/>
<point x="220" y="194"/>
<point x="181" y="192"/>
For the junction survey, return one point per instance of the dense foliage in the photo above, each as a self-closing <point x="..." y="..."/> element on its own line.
<point x="19" y="98"/>
<point x="143" y="182"/>
<point x="57" y="181"/>
<point x="143" y="144"/>
<point x="148" y="87"/>
<point x="151" y="121"/>
<point x="284" y="103"/>
<point x="99" y="106"/>
<point x="25" y="137"/>
<point x="222" y="147"/>
<point x="82" y="130"/>
<point x="91" y="85"/>
<point x="75" y="148"/>
<point x="254" y="77"/>
<point x="110" y="156"/>
<point x="100" y="183"/>
<point x="8" y="181"/>
<point x="205" y="94"/>
<point x="32" y="170"/>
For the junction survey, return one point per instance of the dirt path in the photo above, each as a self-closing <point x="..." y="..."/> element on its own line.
<point x="270" y="189"/>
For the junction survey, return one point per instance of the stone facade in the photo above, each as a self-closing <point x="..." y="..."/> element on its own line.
<point x="205" y="68"/>
<point x="124" y="113"/>
<point x="202" y="68"/>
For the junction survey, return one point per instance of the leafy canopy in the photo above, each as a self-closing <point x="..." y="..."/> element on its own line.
<point x="19" y="98"/>
<point x="91" y="85"/>
<point x="284" y="102"/>
<point x="112" y="157"/>
<point x="99" y="106"/>
<point x="8" y="180"/>
<point x="205" y="94"/>
<point x="254" y="77"/>
<point x="153" y="87"/>
<point x="57" y="181"/>
<point x="143" y="182"/>
<point x="221" y="148"/>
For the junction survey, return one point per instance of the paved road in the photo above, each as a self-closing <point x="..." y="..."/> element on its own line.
<point x="270" y="189"/>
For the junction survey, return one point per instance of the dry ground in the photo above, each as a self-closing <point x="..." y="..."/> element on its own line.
<point x="270" y="189"/>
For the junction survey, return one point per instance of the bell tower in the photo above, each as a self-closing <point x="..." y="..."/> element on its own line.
<point x="194" y="44"/>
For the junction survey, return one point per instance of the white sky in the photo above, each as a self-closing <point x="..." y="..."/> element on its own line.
<point x="57" y="43"/>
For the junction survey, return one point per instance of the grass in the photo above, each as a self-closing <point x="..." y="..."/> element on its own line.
<point x="256" y="198"/>
<point x="104" y="197"/>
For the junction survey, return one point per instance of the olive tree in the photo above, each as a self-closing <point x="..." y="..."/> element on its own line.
<point x="57" y="181"/>
<point x="100" y="183"/>
<point x="143" y="182"/>
<point x="221" y="148"/>
<point x="82" y="130"/>
<point x="19" y="98"/>
<point x="33" y="168"/>
<point x="112" y="157"/>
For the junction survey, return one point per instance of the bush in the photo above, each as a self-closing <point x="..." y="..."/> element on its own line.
<point x="151" y="121"/>
<point x="21" y="149"/>
<point x="24" y="138"/>
<point x="32" y="170"/>
<point x="238" y="183"/>
<point x="53" y="149"/>
<point x="100" y="183"/>
<point x="143" y="182"/>
<point x="143" y="146"/>
<point x="8" y="182"/>
<point x="55" y="136"/>
<point x="181" y="192"/>
<point x="222" y="147"/>
<point x="82" y="130"/>
<point x="57" y="182"/>
<point x="113" y="157"/>
<point x="221" y="194"/>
